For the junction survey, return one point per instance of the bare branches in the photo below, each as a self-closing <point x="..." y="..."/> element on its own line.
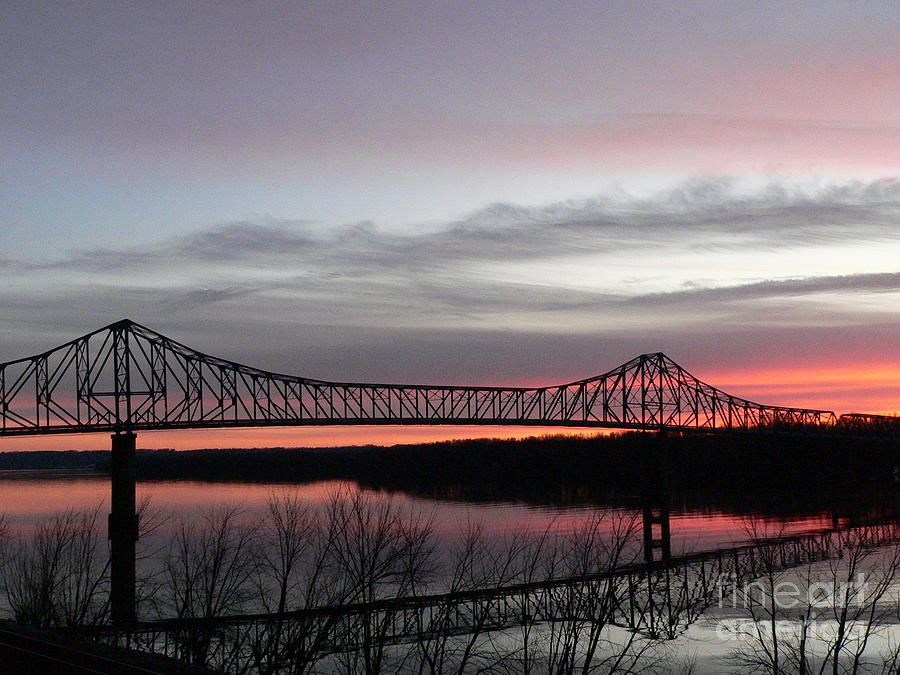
<point x="59" y="576"/>
<point x="207" y="573"/>
<point x="357" y="586"/>
<point x="381" y="552"/>
<point x="820" y="618"/>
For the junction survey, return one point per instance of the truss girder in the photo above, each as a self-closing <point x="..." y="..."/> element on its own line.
<point x="128" y="377"/>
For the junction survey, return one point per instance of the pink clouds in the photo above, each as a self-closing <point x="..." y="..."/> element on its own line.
<point x="843" y="387"/>
<point x="707" y="144"/>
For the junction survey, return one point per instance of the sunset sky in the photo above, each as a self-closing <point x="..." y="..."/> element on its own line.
<point x="516" y="193"/>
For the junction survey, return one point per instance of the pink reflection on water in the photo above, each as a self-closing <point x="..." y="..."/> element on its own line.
<point x="29" y="498"/>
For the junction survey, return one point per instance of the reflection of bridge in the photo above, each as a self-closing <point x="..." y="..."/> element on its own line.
<point x="125" y="378"/>
<point x="658" y="600"/>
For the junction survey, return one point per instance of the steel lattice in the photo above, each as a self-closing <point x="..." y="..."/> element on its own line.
<point x="128" y="377"/>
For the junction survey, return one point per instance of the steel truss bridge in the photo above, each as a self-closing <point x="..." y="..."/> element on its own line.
<point x="126" y="377"/>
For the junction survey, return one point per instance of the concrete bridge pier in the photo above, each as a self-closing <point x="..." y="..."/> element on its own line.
<point x="123" y="531"/>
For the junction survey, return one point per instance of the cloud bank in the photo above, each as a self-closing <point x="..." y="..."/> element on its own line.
<point x="707" y="272"/>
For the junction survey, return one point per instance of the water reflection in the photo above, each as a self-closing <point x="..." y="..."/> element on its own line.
<point x="29" y="498"/>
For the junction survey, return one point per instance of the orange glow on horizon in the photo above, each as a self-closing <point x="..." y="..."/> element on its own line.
<point x="298" y="436"/>
<point x="864" y="387"/>
<point x="867" y="375"/>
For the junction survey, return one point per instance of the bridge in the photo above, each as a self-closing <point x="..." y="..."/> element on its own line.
<point x="126" y="378"/>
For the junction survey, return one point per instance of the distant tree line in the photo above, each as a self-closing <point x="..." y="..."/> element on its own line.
<point x="750" y="474"/>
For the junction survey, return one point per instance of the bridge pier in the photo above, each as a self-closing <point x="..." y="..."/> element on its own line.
<point x="655" y="498"/>
<point x="123" y="531"/>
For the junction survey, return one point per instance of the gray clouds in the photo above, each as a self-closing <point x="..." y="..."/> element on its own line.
<point x="415" y="303"/>
<point x="155" y="160"/>
<point x="884" y="282"/>
<point x="701" y="214"/>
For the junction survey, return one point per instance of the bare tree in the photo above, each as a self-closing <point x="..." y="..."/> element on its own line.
<point x="4" y="537"/>
<point x="853" y="607"/>
<point x="573" y="602"/>
<point x="890" y="660"/>
<point x="150" y="553"/>
<point x="760" y="649"/>
<point x="4" y="547"/>
<point x="582" y="615"/>
<point x="295" y="571"/>
<point x="453" y="639"/>
<point x="821" y="617"/>
<point x="380" y="552"/>
<point x="530" y="558"/>
<point x="59" y="575"/>
<point x="208" y="574"/>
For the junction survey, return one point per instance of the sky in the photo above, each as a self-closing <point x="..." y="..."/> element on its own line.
<point x="460" y="192"/>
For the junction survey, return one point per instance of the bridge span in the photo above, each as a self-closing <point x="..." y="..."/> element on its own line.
<point x="126" y="378"/>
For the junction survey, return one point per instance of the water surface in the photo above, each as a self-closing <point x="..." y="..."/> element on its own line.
<point x="33" y="496"/>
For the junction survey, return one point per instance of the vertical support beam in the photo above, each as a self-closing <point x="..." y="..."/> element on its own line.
<point x="3" y="404"/>
<point x="656" y="516"/>
<point x="655" y="493"/>
<point x="122" y="374"/>
<point x="42" y="392"/>
<point x="159" y="400"/>
<point x="82" y="383"/>
<point x="123" y="531"/>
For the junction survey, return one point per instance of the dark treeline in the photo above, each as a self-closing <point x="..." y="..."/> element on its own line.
<point x="761" y="474"/>
<point x="59" y="459"/>
<point x="752" y="473"/>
